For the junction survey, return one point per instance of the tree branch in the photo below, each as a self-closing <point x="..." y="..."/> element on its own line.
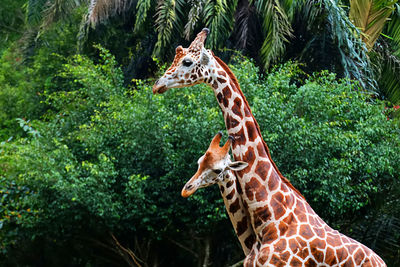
<point x="183" y="247"/>
<point x="127" y="251"/>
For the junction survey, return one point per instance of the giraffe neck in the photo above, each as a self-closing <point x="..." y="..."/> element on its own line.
<point x="239" y="216"/>
<point x="288" y="231"/>
<point x="266" y="193"/>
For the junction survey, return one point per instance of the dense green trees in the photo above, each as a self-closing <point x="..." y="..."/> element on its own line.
<point x="109" y="162"/>
<point x="92" y="164"/>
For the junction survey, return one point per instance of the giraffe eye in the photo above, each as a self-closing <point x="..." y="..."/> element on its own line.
<point x="187" y="62"/>
<point x="217" y="171"/>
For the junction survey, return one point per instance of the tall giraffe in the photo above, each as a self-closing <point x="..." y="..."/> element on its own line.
<point x="215" y="167"/>
<point x="287" y="229"/>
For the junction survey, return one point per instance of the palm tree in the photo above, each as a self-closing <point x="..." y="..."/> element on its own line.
<point x="379" y="24"/>
<point x="319" y="33"/>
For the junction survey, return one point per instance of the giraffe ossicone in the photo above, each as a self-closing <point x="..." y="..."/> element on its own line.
<point x="287" y="230"/>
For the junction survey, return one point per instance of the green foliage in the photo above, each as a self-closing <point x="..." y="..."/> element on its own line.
<point x="109" y="159"/>
<point x="11" y="22"/>
<point x="24" y="81"/>
<point x="113" y="161"/>
<point x="18" y="95"/>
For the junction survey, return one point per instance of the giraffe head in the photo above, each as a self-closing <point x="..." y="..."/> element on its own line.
<point x="190" y="66"/>
<point x="213" y="166"/>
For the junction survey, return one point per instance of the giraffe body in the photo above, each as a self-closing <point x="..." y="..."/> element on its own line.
<point x="215" y="167"/>
<point x="288" y="231"/>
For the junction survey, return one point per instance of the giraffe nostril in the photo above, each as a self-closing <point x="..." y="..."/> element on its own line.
<point x="189" y="186"/>
<point x="157" y="81"/>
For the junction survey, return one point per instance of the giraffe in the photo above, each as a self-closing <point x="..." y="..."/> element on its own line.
<point x="216" y="167"/>
<point x="288" y="231"/>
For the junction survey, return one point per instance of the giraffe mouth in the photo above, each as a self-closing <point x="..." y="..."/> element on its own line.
<point x="187" y="193"/>
<point x="159" y="89"/>
<point x="188" y="190"/>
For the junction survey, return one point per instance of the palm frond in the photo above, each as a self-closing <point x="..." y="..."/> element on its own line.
<point x="193" y="17"/>
<point x="218" y="17"/>
<point x="34" y="9"/>
<point x="83" y="32"/>
<point x="142" y="10"/>
<point x="392" y="30"/>
<point x="165" y="16"/>
<point x="389" y="81"/>
<point x="247" y="27"/>
<point x="386" y="56"/>
<point x="353" y="52"/>
<point x="101" y="10"/>
<point x="276" y="28"/>
<point x="387" y="69"/>
<point x="242" y="23"/>
<point x="370" y="17"/>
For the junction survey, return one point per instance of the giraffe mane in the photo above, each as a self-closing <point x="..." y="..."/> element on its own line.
<point x="236" y="83"/>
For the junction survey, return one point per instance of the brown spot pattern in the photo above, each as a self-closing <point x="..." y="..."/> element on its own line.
<point x="285" y="256"/>
<point x="261" y="215"/>
<point x="249" y="241"/>
<point x="318" y="255"/>
<point x="303" y="253"/>
<point x="231" y="194"/>
<point x="261" y="150"/>
<point x="341" y="254"/>
<point x="227" y="92"/>
<point x="251" y="130"/>
<point x="220" y="72"/>
<point x="320" y="232"/>
<point x="269" y="234"/>
<point x="264" y="253"/>
<point x="305" y="231"/>
<point x="262" y="170"/>
<point x="220" y="80"/>
<point x="219" y="97"/>
<point x="310" y="263"/>
<point x="249" y="157"/>
<point x="330" y="256"/>
<point x="235" y="206"/>
<point x="295" y="262"/>
<point x="359" y="256"/>
<point x="273" y="181"/>
<point x="282" y="228"/>
<point x="222" y="189"/>
<point x="240" y="137"/>
<point x="231" y="122"/>
<point x="276" y="261"/>
<point x="349" y="263"/>
<point x="236" y="110"/>
<point x="241" y="226"/>
<point x="279" y="209"/>
<point x="237" y="102"/>
<point x="293" y="245"/>
<point x="280" y="245"/>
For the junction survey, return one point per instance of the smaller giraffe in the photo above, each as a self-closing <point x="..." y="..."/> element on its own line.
<point x="216" y="167"/>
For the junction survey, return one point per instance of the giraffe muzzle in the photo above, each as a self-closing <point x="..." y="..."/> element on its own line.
<point x="159" y="88"/>
<point x="188" y="190"/>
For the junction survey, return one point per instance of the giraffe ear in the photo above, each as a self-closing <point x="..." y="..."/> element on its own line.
<point x="204" y="57"/>
<point x="237" y="165"/>
<point x="179" y="49"/>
